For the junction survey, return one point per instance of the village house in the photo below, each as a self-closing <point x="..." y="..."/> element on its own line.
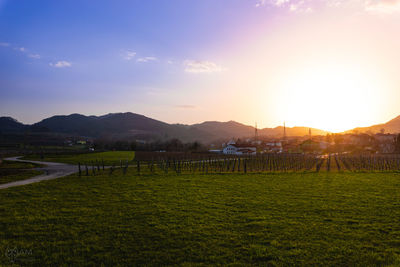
<point x="236" y="149"/>
<point x="274" y="146"/>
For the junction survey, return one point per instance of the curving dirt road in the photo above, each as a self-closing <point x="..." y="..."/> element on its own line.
<point x="52" y="170"/>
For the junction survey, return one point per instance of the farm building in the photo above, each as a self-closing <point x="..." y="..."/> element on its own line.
<point x="273" y="147"/>
<point x="236" y="149"/>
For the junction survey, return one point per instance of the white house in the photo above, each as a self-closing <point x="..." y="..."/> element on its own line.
<point x="234" y="149"/>
<point x="230" y="150"/>
<point x="274" y="146"/>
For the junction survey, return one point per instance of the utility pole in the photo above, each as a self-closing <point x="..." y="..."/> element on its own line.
<point x="255" y="133"/>
<point x="284" y="130"/>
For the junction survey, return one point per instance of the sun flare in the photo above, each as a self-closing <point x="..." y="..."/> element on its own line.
<point x="334" y="98"/>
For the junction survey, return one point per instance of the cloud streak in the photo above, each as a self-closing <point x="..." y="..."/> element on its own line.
<point x="34" y="56"/>
<point x="21" y="49"/>
<point x="129" y="55"/>
<point x="305" y="6"/>
<point x="196" y="66"/>
<point x="383" y="6"/>
<point x="146" y="59"/>
<point x="298" y="6"/>
<point x="61" y="64"/>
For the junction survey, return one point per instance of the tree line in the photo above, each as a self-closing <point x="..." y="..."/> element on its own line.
<point x="172" y="145"/>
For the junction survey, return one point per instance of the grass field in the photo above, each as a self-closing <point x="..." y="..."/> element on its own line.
<point x="111" y="157"/>
<point x="14" y="171"/>
<point x="349" y="219"/>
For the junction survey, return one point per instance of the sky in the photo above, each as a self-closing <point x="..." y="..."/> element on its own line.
<point x="328" y="64"/>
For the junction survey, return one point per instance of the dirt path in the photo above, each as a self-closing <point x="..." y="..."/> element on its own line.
<point x="52" y="170"/>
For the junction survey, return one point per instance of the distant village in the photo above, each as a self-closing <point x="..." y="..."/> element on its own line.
<point x="361" y="143"/>
<point x="355" y="143"/>
<point x="373" y="143"/>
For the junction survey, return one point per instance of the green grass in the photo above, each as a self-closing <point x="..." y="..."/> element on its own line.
<point x="11" y="171"/>
<point x="345" y="219"/>
<point x="111" y="157"/>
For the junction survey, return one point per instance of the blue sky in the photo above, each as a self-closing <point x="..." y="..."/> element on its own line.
<point x="177" y="61"/>
<point x="76" y="56"/>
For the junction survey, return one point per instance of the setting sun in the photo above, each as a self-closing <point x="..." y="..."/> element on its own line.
<point x="334" y="98"/>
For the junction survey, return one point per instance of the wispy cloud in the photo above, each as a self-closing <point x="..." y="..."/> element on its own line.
<point x="21" y="49"/>
<point x="34" y="56"/>
<point x="278" y="3"/>
<point x="260" y="3"/>
<point x="281" y="2"/>
<point x="61" y="64"/>
<point x="128" y="55"/>
<point x="185" y="106"/>
<point x="195" y="66"/>
<point x="146" y="59"/>
<point x="383" y="6"/>
<point x="302" y="6"/>
<point x="299" y="6"/>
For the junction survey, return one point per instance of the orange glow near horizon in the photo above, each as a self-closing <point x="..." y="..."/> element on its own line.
<point x="332" y="98"/>
<point x="318" y="71"/>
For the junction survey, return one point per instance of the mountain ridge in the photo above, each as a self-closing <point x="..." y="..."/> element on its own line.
<point x="392" y="126"/>
<point x="127" y="125"/>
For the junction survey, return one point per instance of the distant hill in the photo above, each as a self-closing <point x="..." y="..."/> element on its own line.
<point x="232" y="129"/>
<point x="223" y="130"/>
<point x="117" y="126"/>
<point x="10" y="125"/>
<point x="130" y="125"/>
<point x="392" y="126"/>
